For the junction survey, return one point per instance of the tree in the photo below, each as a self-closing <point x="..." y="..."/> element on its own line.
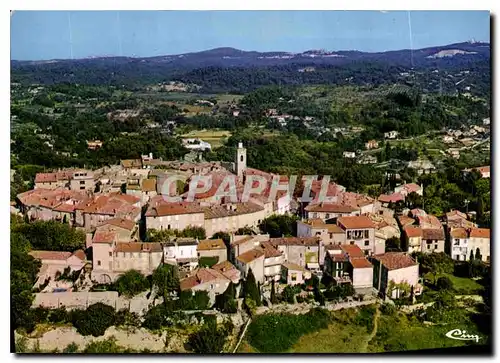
<point x="478" y="255"/>
<point x="208" y="340"/>
<point x="95" y="320"/>
<point x="471" y="256"/>
<point x="131" y="283"/>
<point x="444" y="283"/>
<point x="274" y="300"/>
<point x="288" y="294"/>
<point x="166" y="279"/>
<point x="194" y="232"/>
<point x="393" y="244"/>
<point x="226" y="302"/>
<point x="103" y="346"/>
<point x="250" y="288"/>
<point x="279" y="225"/>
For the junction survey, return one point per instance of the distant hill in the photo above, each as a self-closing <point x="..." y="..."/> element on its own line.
<point x="128" y="70"/>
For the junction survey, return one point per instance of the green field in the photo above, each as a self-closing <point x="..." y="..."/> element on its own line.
<point x="462" y="285"/>
<point x="213" y="137"/>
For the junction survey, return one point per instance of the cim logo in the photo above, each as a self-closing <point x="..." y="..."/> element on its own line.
<point x="458" y="334"/>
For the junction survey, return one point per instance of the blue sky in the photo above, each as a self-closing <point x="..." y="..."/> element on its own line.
<point x="37" y="35"/>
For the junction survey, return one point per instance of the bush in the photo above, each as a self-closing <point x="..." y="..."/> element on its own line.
<point x="131" y="283"/>
<point x="103" y="346"/>
<point x="95" y="320"/>
<point x="59" y="315"/>
<point x="125" y="317"/>
<point x="208" y="261"/>
<point x="209" y="339"/>
<point x="288" y="294"/>
<point x="444" y="283"/>
<point x="71" y="348"/>
<point x="275" y="333"/>
<point x="156" y="318"/>
<point x="388" y="309"/>
<point x="40" y="314"/>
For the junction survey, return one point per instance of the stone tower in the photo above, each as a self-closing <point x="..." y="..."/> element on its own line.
<point x="241" y="161"/>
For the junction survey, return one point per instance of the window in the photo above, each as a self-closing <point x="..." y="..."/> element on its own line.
<point x="182" y="252"/>
<point x="366" y="234"/>
<point x="82" y="188"/>
<point x="110" y="254"/>
<point x="352" y="242"/>
<point x="82" y="182"/>
<point x="294" y="277"/>
<point x="367" y="243"/>
<point x="168" y="227"/>
<point x="428" y="246"/>
<point x="457" y="242"/>
<point x="98" y="263"/>
<point x="318" y="233"/>
<point x="367" y="252"/>
<point x="241" y="158"/>
<point x="331" y="235"/>
<point x="211" y="286"/>
<point x="301" y="255"/>
<point x="327" y="215"/>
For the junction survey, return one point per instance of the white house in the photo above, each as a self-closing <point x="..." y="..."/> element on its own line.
<point x="391" y="134"/>
<point x="182" y="251"/>
<point x="349" y="154"/>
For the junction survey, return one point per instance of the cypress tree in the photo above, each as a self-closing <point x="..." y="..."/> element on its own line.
<point x="274" y="300"/>
<point x="478" y="254"/>
<point x="251" y="289"/>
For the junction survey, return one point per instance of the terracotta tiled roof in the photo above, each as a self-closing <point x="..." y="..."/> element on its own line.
<point x="250" y="256"/>
<point x="51" y="255"/>
<point x="480" y="233"/>
<point x="318" y="223"/>
<point x="388" y="198"/>
<point x="352" y="250"/>
<point x="138" y="247"/>
<point x="395" y="260"/>
<point x="131" y="163"/>
<point x="418" y="212"/>
<point x="437" y="234"/>
<point x="80" y="254"/>
<point x="293" y="267"/>
<point x="229" y="270"/>
<point x="220" y="211"/>
<point x="360" y="263"/>
<point x="120" y="222"/>
<point x="413" y="231"/>
<point x="270" y="250"/>
<point x="201" y="276"/>
<point x="53" y="177"/>
<point x="170" y="209"/>
<point x="211" y="244"/>
<point x="405" y="221"/>
<point x="242" y="240"/>
<point x="456" y="213"/>
<point x="411" y="187"/>
<point x="429" y="221"/>
<point x="330" y="208"/>
<point x="104" y="237"/>
<point x="458" y="233"/>
<point x="355" y="222"/>
<point x="295" y="241"/>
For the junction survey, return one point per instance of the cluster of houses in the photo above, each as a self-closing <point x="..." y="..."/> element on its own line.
<point x="344" y="238"/>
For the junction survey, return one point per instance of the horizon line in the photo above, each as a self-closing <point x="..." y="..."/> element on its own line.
<point x="471" y="41"/>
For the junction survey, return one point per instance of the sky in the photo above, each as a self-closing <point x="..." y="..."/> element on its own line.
<point x="42" y="35"/>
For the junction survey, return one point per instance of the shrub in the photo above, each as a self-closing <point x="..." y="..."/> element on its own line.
<point x="288" y="294"/>
<point x="131" y="283"/>
<point x="250" y="288"/>
<point x="95" y="320"/>
<point x="40" y="314"/>
<point x="209" y="339"/>
<point x="156" y="318"/>
<point x="388" y="309"/>
<point x="208" y="261"/>
<point x="59" y="315"/>
<point x="71" y="348"/>
<point x="125" y="317"/>
<point x="444" y="283"/>
<point x="103" y="346"/>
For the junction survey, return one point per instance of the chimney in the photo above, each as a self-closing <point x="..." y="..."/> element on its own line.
<point x="240" y="145"/>
<point x="150" y="155"/>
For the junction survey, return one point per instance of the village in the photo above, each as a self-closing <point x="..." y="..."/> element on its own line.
<point x="343" y="239"/>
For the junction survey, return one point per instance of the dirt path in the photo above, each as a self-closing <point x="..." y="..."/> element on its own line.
<point x="364" y="347"/>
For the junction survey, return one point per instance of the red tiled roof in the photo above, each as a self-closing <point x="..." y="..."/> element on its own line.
<point x="170" y="209"/>
<point x="295" y="241"/>
<point x="104" y="237"/>
<point x="293" y="266"/>
<point x="120" y="222"/>
<point x="458" y="233"/>
<point x="352" y="250"/>
<point x="391" y="198"/>
<point x="250" y="256"/>
<point x="456" y="213"/>
<point x="433" y="233"/>
<point x="80" y="254"/>
<point x="413" y="231"/>
<point x="411" y="187"/>
<point x="269" y="250"/>
<point x="360" y="263"/>
<point x="353" y="222"/>
<point x="228" y="269"/>
<point x="51" y="255"/>
<point x="395" y="260"/>
<point x="480" y="233"/>
<point x="138" y="247"/>
<point x="200" y="276"/>
<point x="404" y="220"/>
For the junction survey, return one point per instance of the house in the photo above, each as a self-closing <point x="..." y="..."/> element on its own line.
<point x="447" y="139"/>
<point x="413" y="236"/>
<point x="273" y="259"/>
<point x="229" y="270"/>
<point x="162" y="215"/>
<point x="252" y="260"/>
<point x="232" y="216"/>
<point x="483" y="170"/>
<point x="125" y="229"/>
<point x="82" y="180"/>
<point x="347" y="264"/>
<point x="54" y="180"/>
<point x="486" y="121"/>
<point x="205" y="279"/>
<point x="349" y="154"/>
<point x="372" y="144"/>
<point x="422" y="166"/>
<point x="54" y="262"/>
<point x="405" y="221"/>
<point x="459" y="244"/>
<point x="212" y="248"/>
<point x="111" y="258"/>
<point x="144" y="189"/>
<point x="391" y="134"/>
<point x="386" y="227"/>
<point x="457" y="219"/>
<point x="433" y="240"/>
<point x="395" y="272"/>
<point x="427" y="220"/>
<point x="416" y="212"/>
<point x="304" y="251"/>
<point x="407" y="189"/>
<point x="359" y="230"/>
<point x="328" y="233"/>
<point x="181" y="251"/>
<point x="128" y="164"/>
<point x="94" y="145"/>
<point x="479" y="239"/>
<point x="326" y="211"/>
<point x="196" y="144"/>
<point x="293" y="274"/>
